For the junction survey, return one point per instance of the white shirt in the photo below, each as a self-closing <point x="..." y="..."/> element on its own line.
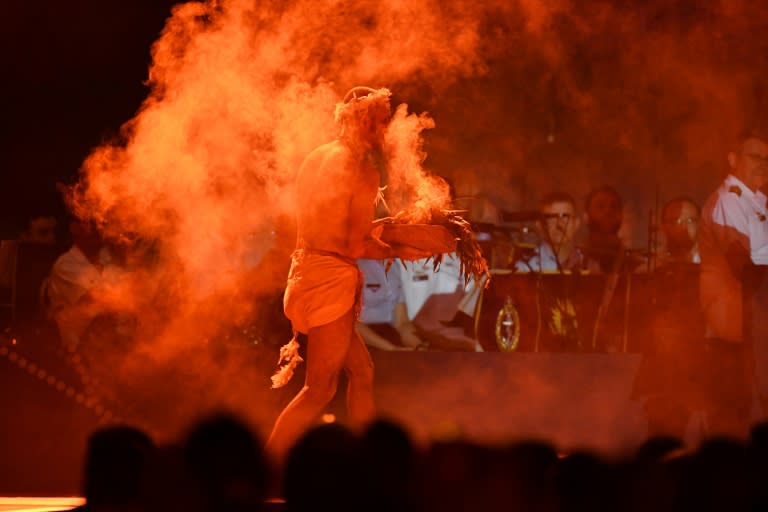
<point x="746" y="212"/>
<point x="732" y="214"/>
<point x="420" y="281"/>
<point x="381" y="291"/>
<point x="544" y="260"/>
<point x="71" y="277"/>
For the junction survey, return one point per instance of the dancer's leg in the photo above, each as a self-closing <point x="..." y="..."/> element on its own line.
<point x="359" y="369"/>
<point x="327" y="348"/>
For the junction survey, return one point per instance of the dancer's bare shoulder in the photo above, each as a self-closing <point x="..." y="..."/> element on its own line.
<point x="324" y="193"/>
<point x="328" y="157"/>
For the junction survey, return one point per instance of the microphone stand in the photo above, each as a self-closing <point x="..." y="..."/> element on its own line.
<point x="563" y="305"/>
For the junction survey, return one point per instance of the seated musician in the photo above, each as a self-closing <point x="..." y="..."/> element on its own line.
<point x="383" y="321"/>
<point x="82" y="288"/>
<point x="680" y="226"/>
<point x="438" y="302"/>
<point x="604" y="214"/>
<point x="557" y="251"/>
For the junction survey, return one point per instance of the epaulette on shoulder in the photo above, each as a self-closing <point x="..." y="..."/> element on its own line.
<point x="735" y="189"/>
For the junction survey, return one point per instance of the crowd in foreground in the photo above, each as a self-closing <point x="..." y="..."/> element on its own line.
<point x="220" y="466"/>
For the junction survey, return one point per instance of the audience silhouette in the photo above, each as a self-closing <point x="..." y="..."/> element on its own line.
<point x="116" y="462"/>
<point x="220" y="465"/>
<point x="227" y="465"/>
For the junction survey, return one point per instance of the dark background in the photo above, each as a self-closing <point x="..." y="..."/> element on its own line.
<point x="72" y="73"/>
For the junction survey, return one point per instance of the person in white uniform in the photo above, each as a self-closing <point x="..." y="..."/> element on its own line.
<point x="433" y="300"/>
<point x="732" y="235"/>
<point x="383" y="321"/>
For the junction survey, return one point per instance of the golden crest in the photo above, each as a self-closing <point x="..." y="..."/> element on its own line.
<point x="508" y="327"/>
<point x="563" y="317"/>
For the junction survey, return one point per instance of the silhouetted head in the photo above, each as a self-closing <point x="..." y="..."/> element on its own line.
<point x="116" y="461"/>
<point x="389" y="458"/>
<point x="582" y="482"/>
<point x="603" y="209"/>
<point x="720" y="478"/>
<point x="227" y="463"/>
<point x="388" y="442"/>
<point x="324" y="471"/>
<point x="758" y="437"/>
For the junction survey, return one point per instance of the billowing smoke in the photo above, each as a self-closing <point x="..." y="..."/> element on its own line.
<point x="200" y="181"/>
<point x="520" y="98"/>
<point x="241" y="92"/>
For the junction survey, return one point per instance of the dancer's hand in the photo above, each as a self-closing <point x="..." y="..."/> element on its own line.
<point x="411" y="340"/>
<point x="383" y="220"/>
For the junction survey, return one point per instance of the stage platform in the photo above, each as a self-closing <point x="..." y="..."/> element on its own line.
<point x="573" y="400"/>
<point x="576" y="401"/>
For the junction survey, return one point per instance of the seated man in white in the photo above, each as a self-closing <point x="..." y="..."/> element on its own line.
<point x="433" y="299"/>
<point x="77" y="288"/>
<point x="383" y="321"/>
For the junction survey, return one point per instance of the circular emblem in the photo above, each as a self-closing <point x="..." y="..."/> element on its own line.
<point x="508" y="327"/>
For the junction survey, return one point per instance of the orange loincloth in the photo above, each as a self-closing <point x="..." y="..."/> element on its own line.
<point x="322" y="287"/>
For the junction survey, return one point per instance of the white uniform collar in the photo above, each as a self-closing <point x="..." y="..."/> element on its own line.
<point x="758" y="197"/>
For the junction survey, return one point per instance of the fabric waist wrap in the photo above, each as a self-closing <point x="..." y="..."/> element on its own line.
<point x="322" y="287"/>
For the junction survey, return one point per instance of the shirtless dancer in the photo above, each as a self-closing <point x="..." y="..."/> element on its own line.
<point x="336" y="188"/>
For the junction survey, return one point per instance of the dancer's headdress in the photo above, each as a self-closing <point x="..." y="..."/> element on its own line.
<point x="359" y="99"/>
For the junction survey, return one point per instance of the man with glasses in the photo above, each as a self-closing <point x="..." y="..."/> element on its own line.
<point x="733" y="234"/>
<point x="557" y="250"/>
<point x="680" y="225"/>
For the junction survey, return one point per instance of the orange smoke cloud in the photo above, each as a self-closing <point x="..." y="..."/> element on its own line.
<point x="531" y="96"/>
<point x="409" y="185"/>
<point x="240" y="93"/>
